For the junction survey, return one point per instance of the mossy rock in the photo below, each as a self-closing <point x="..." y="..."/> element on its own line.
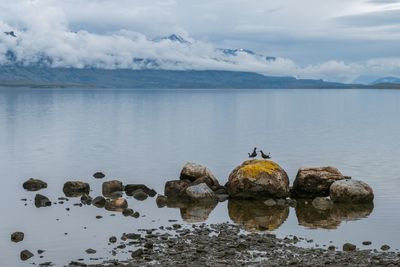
<point x="258" y="179"/>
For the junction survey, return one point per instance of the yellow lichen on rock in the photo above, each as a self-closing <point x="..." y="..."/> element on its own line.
<point x="252" y="169"/>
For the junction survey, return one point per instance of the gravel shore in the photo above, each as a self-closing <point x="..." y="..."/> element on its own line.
<point x="229" y="245"/>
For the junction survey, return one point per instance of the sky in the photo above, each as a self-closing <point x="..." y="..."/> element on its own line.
<point x="335" y="40"/>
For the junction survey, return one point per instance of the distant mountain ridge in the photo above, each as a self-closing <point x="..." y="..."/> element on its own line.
<point x="385" y="80"/>
<point x="39" y="76"/>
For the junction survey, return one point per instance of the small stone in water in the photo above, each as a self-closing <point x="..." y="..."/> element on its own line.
<point x="25" y="255"/>
<point x="17" y="237"/>
<point x="90" y="251"/>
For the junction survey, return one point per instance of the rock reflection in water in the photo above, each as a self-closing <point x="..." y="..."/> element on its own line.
<point x="193" y="212"/>
<point x="311" y="217"/>
<point x="255" y="215"/>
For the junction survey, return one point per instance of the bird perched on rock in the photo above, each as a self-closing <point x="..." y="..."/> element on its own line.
<point x="254" y="154"/>
<point x="268" y="156"/>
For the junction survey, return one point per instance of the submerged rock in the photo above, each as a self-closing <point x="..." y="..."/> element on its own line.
<point x="131" y="188"/>
<point x="351" y="191"/>
<point x="200" y="192"/>
<point x="258" y="179"/>
<point x="42" y="201"/>
<point x="315" y="182"/>
<point x="119" y="204"/>
<point x="193" y="171"/>
<point x="34" y="185"/>
<point x="110" y="187"/>
<point x="99" y="175"/>
<point x="17" y="237"/>
<point x="25" y="255"/>
<point x="127" y="212"/>
<point x="75" y="188"/>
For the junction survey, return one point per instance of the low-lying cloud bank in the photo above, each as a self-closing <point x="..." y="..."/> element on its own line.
<point x="59" y="47"/>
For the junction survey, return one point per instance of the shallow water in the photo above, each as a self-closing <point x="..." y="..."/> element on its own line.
<point x="146" y="136"/>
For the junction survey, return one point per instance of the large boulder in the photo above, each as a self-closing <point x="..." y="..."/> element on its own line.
<point x="200" y="192"/>
<point x="193" y="172"/>
<point x="176" y="188"/>
<point x="75" y="188"/>
<point x="110" y="187"/>
<point x="258" y="179"/>
<point x="34" y="185"/>
<point x="315" y="182"/>
<point x="351" y="191"/>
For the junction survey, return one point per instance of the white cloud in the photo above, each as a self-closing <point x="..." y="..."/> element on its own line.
<point x="117" y="34"/>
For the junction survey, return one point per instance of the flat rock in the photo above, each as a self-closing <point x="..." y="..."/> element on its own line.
<point x="131" y="188"/>
<point x="99" y="175"/>
<point x="34" y="184"/>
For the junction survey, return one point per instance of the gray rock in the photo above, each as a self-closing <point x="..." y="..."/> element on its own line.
<point x="25" y="255"/>
<point x="34" y="185"/>
<point x="315" y="182"/>
<point x="349" y="247"/>
<point x="128" y="212"/>
<point x="17" y="237"/>
<point x="322" y="203"/>
<point x="90" y="251"/>
<point x="258" y="179"/>
<point x="385" y="247"/>
<point x="193" y="171"/>
<point x="86" y="199"/>
<point x="99" y="175"/>
<point x="110" y="187"/>
<point x="351" y="191"/>
<point x="75" y="188"/>
<point x="140" y="195"/>
<point x="199" y="192"/>
<point x="99" y="202"/>
<point x="42" y="201"/>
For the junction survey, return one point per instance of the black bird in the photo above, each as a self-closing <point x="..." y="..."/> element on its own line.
<point x="254" y="154"/>
<point x="268" y="156"/>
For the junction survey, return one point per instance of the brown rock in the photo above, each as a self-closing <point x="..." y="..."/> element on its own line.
<point x="130" y="188"/>
<point x="119" y="204"/>
<point x="315" y="182"/>
<point x="75" y="188"/>
<point x="110" y="187"/>
<point x="17" y="237"/>
<point x="176" y="188"/>
<point x="193" y="171"/>
<point x="34" y="185"/>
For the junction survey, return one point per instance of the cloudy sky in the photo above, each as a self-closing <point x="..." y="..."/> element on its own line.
<point x="338" y="40"/>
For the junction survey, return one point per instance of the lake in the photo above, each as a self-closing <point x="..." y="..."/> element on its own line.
<point x="146" y="136"/>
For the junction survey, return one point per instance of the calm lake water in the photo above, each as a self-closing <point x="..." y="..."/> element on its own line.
<point x="146" y="136"/>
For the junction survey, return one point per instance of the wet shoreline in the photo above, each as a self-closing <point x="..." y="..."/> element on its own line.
<point x="227" y="244"/>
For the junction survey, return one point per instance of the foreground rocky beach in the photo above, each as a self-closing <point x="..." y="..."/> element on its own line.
<point x="259" y="198"/>
<point x="228" y="245"/>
